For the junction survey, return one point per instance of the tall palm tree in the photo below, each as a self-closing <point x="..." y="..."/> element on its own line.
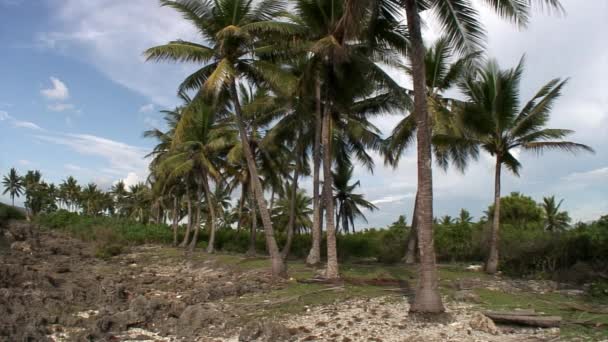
<point x="443" y="70"/>
<point x="498" y="125"/>
<point x="233" y="30"/>
<point x="461" y="25"/>
<point x="341" y="70"/>
<point x="13" y="185"/>
<point x="348" y="203"/>
<point x="555" y="220"/>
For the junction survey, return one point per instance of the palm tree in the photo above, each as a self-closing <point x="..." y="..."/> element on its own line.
<point x="342" y="69"/>
<point x="555" y="220"/>
<point x="70" y="190"/>
<point x="443" y="70"/>
<point x="464" y="217"/>
<point x="460" y="23"/>
<point x="90" y="196"/>
<point x="446" y="220"/>
<point x="196" y="148"/>
<point x="348" y="204"/>
<point x="497" y="124"/>
<point x="119" y="192"/>
<point x="13" y="185"/>
<point x="302" y="211"/>
<point x="234" y="30"/>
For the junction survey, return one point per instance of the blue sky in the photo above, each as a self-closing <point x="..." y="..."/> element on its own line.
<point x="76" y="95"/>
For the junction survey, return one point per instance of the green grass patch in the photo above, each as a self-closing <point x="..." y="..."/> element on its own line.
<point x="552" y="304"/>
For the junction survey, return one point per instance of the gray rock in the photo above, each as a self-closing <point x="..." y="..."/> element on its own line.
<point x="196" y="318"/>
<point x="264" y="332"/>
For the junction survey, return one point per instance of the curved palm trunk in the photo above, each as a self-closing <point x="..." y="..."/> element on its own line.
<point x="292" y="209"/>
<point x="278" y="266"/>
<point x="492" y="262"/>
<point x="197" y="224"/>
<point x="211" y="206"/>
<point x="331" y="272"/>
<point x="240" y="211"/>
<point x="254" y="225"/>
<point x="190" y="223"/>
<point x="427" y="298"/>
<point x="175" y="220"/>
<point x="412" y="239"/>
<point x="314" y="256"/>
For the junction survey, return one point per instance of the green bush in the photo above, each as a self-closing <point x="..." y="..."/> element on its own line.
<point x="8" y="213"/>
<point x="524" y="250"/>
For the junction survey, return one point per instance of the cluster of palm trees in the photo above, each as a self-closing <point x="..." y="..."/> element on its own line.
<point x="286" y="89"/>
<point x="41" y="197"/>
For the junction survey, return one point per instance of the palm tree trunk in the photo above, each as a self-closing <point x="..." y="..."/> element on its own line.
<point x="240" y="211"/>
<point x="345" y="224"/>
<point x="427" y="298"/>
<point x="13" y="199"/>
<point x="254" y="225"/>
<point x="292" y="207"/>
<point x="272" y="193"/>
<point x="331" y="271"/>
<point x="492" y="262"/>
<point x="190" y="222"/>
<point x="175" y="220"/>
<point x="314" y="256"/>
<point x="412" y="239"/>
<point x="278" y="266"/>
<point x="211" y="206"/>
<point x="197" y="226"/>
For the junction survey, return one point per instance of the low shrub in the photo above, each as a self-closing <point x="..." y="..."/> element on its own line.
<point x="8" y="213"/>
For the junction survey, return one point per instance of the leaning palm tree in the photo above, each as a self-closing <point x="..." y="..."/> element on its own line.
<point x="555" y="220"/>
<point x="233" y="30"/>
<point x="496" y="123"/>
<point x="13" y="185"/>
<point x="348" y="203"/>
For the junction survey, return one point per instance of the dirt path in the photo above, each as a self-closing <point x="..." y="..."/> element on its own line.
<point x="52" y="288"/>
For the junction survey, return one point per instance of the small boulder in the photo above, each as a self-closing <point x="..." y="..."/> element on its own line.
<point x="196" y="318"/>
<point x="480" y="322"/>
<point x="264" y="332"/>
<point x="467" y="296"/>
<point x="21" y="246"/>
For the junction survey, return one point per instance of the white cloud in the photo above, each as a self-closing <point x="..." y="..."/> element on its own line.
<point x="146" y="108"/>
<point x="60" y="107"/>
<point x="27" y="124"/>
<point x="24" y="162"/>
<point x="132" y="179"/>
<point x="592" y="176"/>
<point x="119" y="158"/>
<point x="105" y="34"/>
<point x="73" y="167"/>
<point x="58" y="91"/>
<point x="393" y="199"/>
<point x="4" y="116"/>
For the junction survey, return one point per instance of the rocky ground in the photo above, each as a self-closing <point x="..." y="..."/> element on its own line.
<point x="53" y="288"/>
